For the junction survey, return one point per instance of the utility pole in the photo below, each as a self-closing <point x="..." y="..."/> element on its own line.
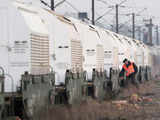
<point x="150" y="25"/>
<point x="52" y="5"/>
<point x="117" y="24"/>
<point x="157" y="35"/>
<point x="93" y="22"/>
<point x="145" y="36"/>
<point x="139" y="33"/>
<point x="150" y="30"/>
<point x="133" y="25"/>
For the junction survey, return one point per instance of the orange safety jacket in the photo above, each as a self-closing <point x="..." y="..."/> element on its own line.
<point x="129" y="69"/>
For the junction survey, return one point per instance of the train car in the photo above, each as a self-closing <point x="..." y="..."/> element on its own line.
<point x="65" y="45"/>
<point x="155" y="60"/>
<point x="122" y="51"/>
<point x="111" y="50"/>
<point x="158" y="60"/>
<point x="133" y="49"/>
<point x="93" y="57"/>
<point x="146" y="54"/>
<point x="140" y="53"/>
<point x="2" y="105"/>
<point x="64" y="58"/>
<point x="24" y="45"/>
<point x="127" y="46"/>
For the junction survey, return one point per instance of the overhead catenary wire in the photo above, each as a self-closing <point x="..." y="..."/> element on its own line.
<point x="109" y="10"/>
<point x="50" y="6"/>
<point x="104" y="2"/>
<point x="45" y="3"/>
<point x="106" y="21"/>
<point x="72" y="6"/>
<point x="123" y="24"/>
<point x="60" y="3"/>
<point x="103" y="15"/>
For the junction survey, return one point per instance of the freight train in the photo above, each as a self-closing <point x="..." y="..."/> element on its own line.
<point x="49" y="59"/>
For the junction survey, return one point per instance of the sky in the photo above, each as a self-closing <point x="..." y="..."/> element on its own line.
<point x="145" y="9"/>
<point x="101" y="6"/>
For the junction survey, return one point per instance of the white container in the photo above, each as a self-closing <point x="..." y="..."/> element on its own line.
<point x="123" y="50"/>
<point x="93" y="51"/>
<point x="140" y="53"/>
<point x="22" y="42"/>
<point x="132" y="49"/>
<point x="111" y="50"/>
<point x="65" y="45"/>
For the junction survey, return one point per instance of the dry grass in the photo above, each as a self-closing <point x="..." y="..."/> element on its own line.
<point x="93" y="110"/>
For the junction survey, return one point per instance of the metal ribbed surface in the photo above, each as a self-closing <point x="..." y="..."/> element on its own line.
<point x="39" y="54"/>
<point x="100" y="57"/>
<point x="76" y="50"/>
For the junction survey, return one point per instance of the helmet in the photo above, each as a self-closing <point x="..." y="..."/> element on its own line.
<point x="125" y="60"/>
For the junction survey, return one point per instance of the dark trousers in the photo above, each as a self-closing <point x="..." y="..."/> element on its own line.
<point x="131" y="80"/>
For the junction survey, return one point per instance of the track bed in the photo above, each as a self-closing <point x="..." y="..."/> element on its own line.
<point x="119" y="108"/>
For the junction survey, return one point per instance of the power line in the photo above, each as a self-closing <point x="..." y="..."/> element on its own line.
<point x="102" y="18"/>
<point x="104" y="2"/>
<point x="137" y="14"/>
<point x="104" y="14"/>
<point x="52" y="4"/>
<point x="117" y="14"/>
<point x="60" y="3"/>
<point x="46" y="4"/>
<point x="72" y="6"/>
<point x="109" y="11"/>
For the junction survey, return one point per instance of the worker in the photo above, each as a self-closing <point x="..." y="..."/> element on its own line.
<point x="131" y="70"/>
